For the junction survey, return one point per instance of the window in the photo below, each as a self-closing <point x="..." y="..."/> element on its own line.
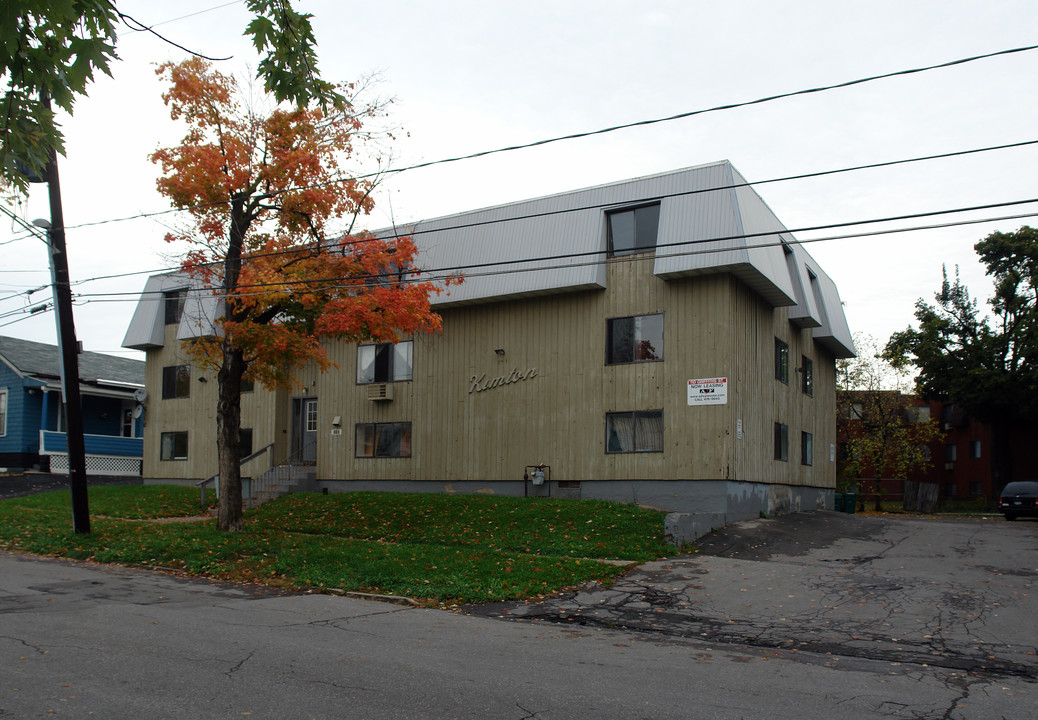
<point x="951" y="452"/>
<point x="246" y="385"/>
<point x="634" y="339"/>
<point x="950" y="489"/>
<point x="781" y="442"/>
<point x="918" y="413"/>
<point x="807" y="448"/>
<point x="381" y="440"/>
<point x="633" y="231"/>
<point x="975" y="489"/>
<point x="974" y="449"/>
<point x="384" y="363"/>
<point x="174" y="305"/>
<point x="843" y="452"/>
<point x="850" y="411"/>
<point x="174" y="445"/>
<point x="633" y="432"/>
<point x="781" y="361"/>
<point x="245" y="442"/>
<point x="3" y="411"/>
<point x="807" y="375"/>
<point x="310" y="416"/>
<point x="176" y="381"/>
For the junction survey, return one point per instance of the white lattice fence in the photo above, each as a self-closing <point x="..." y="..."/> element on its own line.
<point x="99" y="465"/>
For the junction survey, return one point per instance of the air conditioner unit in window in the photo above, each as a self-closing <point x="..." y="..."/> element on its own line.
<point x="380" y="392"/>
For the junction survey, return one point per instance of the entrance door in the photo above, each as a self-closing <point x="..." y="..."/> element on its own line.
<point x="304" y="430"/>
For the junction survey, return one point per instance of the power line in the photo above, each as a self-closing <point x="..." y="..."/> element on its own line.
<point x="598" y="254"/>
<point x="613" y="128"/>
<point x="193" y="14"/>
<point x="548" y="213"/>
<point x="359" y="282"/>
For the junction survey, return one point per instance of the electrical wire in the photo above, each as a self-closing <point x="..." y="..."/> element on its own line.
<point x="548" y="213"/>
<point x="613" y="128"/>
<point x="508" y="266"/>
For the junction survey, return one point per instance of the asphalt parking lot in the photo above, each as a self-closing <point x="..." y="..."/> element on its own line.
<point x="955" y="593"/>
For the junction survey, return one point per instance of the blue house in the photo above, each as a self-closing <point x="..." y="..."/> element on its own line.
<point x="32" y="422"/>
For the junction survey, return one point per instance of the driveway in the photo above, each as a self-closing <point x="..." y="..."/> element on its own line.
<point x="914" y="592"/>
<point x="30" y="483"/>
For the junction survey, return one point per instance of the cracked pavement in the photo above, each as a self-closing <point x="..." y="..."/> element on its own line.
<point x="928" y="593"/>
<point x="806" y="616"/>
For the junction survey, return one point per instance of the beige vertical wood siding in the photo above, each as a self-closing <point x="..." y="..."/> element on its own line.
<point x="714" y="326"/>
<point x="261" y="410"/>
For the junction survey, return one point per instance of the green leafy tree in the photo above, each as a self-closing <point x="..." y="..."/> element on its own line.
<point x="52" y="50"/>
<point x="886" y="435"/>
<point x="987" y="363"/>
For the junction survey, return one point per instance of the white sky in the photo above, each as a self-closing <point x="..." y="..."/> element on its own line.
<point x="472" y="76"/>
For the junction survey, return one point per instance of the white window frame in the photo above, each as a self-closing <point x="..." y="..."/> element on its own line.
<point x="401" y="362"/>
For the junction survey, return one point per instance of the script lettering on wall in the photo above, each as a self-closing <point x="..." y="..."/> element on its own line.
<point x="479" y="383"/>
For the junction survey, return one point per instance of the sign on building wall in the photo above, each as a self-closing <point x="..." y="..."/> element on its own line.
<point x="708" y="391"/>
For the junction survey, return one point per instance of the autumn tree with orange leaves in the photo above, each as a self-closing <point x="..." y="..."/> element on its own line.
<point x="262" y="191"/>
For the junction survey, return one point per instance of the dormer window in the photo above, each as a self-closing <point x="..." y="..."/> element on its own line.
<point x="174" y="305"/>
<point x="633" y="230"/>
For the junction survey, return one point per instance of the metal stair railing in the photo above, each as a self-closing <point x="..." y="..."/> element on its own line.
<point x="212" y="479"/>
<point x="280" y="479"/>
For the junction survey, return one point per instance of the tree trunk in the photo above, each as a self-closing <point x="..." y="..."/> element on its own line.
<point x="228" y="407"/>
<point x="1001" y="454"/>
<point x="228" y="434"/>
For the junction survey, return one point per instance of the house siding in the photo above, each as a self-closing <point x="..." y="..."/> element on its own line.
<point x="721" y="315"/>
<point x="20" y="442"/>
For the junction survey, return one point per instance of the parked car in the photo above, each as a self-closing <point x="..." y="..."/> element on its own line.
<point x="1018" y="498"/>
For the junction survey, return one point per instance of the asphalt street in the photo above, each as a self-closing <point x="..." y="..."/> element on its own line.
<point x="815" y="615"/>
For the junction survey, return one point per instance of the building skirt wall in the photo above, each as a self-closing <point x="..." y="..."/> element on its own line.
<point x="726" y="500"/>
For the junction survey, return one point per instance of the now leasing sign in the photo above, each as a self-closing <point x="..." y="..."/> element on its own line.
<point x="708" y="391"/>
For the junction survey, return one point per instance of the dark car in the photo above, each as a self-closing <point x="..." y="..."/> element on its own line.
<point x="1018" y="498"/>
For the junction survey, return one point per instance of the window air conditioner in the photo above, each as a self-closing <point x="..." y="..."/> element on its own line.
<point x="380" y="392"/>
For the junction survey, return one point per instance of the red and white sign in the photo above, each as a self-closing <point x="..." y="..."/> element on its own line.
<point x="708" y="391"/>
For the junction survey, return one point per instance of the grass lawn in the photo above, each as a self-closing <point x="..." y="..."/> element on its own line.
<point x="436" y="548"/>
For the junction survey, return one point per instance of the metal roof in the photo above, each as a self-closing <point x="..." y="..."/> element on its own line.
<point x="710" y="222"/>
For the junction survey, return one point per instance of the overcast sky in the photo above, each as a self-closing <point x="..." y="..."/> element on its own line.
<point x="474" y="76"/>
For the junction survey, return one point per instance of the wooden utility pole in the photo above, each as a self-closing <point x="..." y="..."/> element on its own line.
<point x="68" y="348"/>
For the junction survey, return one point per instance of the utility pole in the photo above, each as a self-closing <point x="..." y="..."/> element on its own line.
<point x="68" y="348"/>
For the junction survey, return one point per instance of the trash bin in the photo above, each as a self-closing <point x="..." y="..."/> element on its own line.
<point x="850" y="502"/>
<point x="838" y="502"/>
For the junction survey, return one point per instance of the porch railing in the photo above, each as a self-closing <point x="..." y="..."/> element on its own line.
<point x="105" y="454"/>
